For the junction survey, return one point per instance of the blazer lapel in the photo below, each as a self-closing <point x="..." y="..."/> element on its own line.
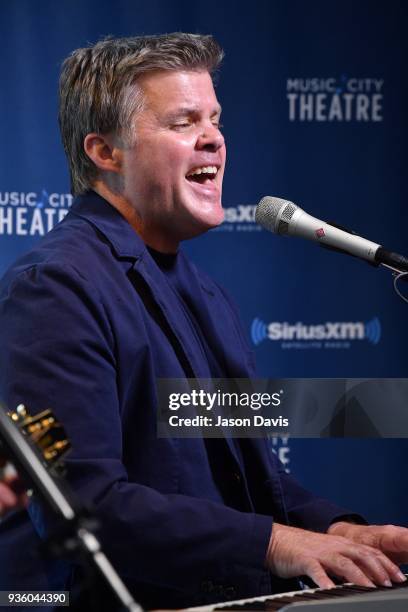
<point x="177" y="327"/>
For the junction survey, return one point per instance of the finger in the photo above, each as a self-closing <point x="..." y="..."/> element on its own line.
<point x="374" y="564"/>
<point x="316" y="572"/>
<point x="386" y="537"/>
<point x="346" y="568"/>
<point x="395" y="540"/>
<point x="7" y="498"/>
<point x="391" y="567"/>
<point x="394" y="543"/>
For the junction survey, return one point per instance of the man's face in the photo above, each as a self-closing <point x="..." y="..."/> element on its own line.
<point x="173" y="173"/>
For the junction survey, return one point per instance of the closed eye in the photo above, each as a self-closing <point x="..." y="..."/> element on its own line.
<point x="181" y="126"/>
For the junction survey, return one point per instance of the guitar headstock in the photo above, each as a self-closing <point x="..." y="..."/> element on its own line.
<point x="45" y="432"/>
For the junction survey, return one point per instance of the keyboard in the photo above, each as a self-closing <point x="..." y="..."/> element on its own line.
<point x="343" y="598"/>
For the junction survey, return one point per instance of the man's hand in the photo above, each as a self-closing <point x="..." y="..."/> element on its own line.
<point x="9" y="500"/>
<point x="296" y="552"/>
<point x="389" y="539"/>
<point x="12" y="494"/>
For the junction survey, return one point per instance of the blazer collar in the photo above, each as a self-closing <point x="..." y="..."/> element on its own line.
<point x="124" y="240"/>
<point x="108" y="220"/>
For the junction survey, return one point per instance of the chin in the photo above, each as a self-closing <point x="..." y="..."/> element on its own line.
<point x="199" y="224"/>
<point x="214" y="218"/>
<point x="209" y="212"/>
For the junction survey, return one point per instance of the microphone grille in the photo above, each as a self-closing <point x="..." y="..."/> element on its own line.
<point x="269" y="210"/>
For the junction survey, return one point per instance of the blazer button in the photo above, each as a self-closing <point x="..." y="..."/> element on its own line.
<point x="237" y="477"/>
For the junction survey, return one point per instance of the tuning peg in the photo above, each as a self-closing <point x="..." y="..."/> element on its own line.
<point x="20" y="414"/>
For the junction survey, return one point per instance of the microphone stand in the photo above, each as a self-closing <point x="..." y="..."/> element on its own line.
<point x="77" y="535"/>
<point x="397" y="273"/>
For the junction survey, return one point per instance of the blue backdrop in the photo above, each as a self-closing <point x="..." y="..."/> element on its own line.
<point x="314" y="96"/>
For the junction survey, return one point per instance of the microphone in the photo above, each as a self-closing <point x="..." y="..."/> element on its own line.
<point x="285" y="218"/>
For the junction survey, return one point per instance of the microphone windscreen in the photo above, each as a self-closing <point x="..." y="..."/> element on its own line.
<point x="268" y="211"/>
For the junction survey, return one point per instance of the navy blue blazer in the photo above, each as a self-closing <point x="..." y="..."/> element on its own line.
<point x="88" y="322"/>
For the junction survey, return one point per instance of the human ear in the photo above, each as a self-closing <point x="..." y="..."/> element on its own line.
<point x="104" y="153"/>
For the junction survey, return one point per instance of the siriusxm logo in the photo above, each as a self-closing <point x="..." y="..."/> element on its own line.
<point x="239" y="218"/>
<point x="324" y="335"/>
<point x="240" y="214"/>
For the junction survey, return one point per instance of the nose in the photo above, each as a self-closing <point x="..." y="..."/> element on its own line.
<point x="210" y="138"/>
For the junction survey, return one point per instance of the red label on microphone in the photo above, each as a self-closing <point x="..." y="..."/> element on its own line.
<point x="320" y="232"/>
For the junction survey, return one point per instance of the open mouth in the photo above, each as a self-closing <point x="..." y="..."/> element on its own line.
<point x="202" y="175"/>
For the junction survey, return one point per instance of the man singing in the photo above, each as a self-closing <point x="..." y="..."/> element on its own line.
<point x="107" y="303"/>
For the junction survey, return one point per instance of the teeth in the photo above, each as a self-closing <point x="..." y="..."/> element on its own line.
<point x="203" y="170"/>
